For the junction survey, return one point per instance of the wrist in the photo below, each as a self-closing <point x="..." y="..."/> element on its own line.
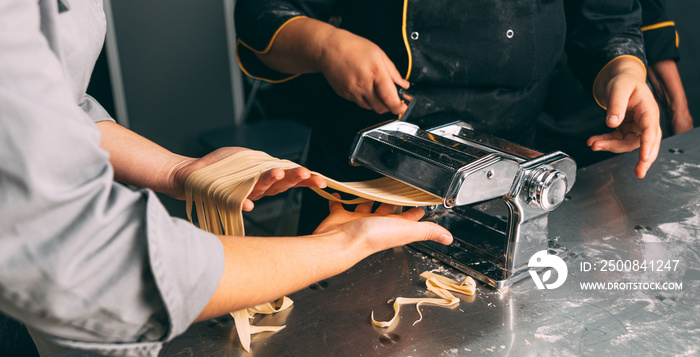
<point x="176" y="174"/>
<point x="625" y="65"/>
<point x="349" y="248"/>
<point x="679" y="110"/>
<point x="328" y="40"/>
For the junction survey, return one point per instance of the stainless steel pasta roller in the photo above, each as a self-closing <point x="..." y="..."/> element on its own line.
<point x="496" y="194"/>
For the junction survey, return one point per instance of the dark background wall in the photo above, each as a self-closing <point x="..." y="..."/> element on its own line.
<point x="175" y="69"/>
<point x="685" y="14"/>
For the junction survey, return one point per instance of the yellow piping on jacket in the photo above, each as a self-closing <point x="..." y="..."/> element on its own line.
<point x="405" y="40"/>
<point x="661" y="25"/>
<point x="264" y="51"/>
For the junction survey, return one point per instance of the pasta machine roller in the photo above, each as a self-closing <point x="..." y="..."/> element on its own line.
<point x="496" y="194"/>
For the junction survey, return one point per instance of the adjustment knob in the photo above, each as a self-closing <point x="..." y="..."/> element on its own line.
<point x="547" y="188"/>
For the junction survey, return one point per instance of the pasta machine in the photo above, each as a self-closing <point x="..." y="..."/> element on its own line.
<point x="496" y="194"/>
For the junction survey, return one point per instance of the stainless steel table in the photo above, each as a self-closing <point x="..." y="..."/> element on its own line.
<point x="610" y="218"/>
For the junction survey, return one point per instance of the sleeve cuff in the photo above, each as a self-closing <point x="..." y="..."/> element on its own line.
<point x="94" y="110"/>
<point x="186" y="262"/>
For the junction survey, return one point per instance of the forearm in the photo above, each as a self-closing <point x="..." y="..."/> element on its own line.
<point x="666" y="73"/>
<point x="259" y="270"/>
<point x="669" y="91"/>
<point x="138" y="161"/>
<point x="299" y="46"/>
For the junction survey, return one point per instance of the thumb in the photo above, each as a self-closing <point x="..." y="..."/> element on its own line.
<point x="436" y="233"/>
<point x="618" y="99"/>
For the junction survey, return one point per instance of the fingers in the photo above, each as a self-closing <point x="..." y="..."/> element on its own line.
<point x="413" y="214"/>
<point x="266" y="180"/>
<point x="248" y="205"/>
<point x="595" y="142"/>
<point x="335" y="206"/>
<point x="298" y="177"/>
<point x="383" y="228"/>
<point x="424" y="231"/>
<point x="276" y="181"/>
<point x="376" y="90"/>
<point x="394" y="73"/>
<point x="398" y="107"/>
<point x="651" y="142"/>
<point x="385" y="209"/>
<point x="646" y="117"/>
<point x="615" y="141"/>
<point x="411" y="230"/>
<point x="314" y="181"/>
<point x="375" y="103"/>
<point x="389" y="96"/>
<point x="364" y="207"/>
<point x="385" y="88"/>
<point x="383" y="97"/>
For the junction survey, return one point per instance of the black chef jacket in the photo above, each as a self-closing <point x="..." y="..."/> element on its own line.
<point x="483" y="62"/>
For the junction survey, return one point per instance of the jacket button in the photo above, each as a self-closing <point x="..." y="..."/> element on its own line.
<point x="414" y="35"/>
<point x="510" y="33"/>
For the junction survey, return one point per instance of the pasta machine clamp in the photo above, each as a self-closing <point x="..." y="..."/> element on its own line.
<point x="496" y="194"/>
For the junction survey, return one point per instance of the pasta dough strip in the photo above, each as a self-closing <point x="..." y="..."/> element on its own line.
<point x="206" y="188"/>
<point x="242" y="319"/>
<point x="440" y="286"/>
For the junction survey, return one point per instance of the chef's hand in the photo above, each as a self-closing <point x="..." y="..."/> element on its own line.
<point x="270" y="183"/>
<point x="382" y="229"/>
<point x="631" y="111"/>
<point x="359" y="71"/>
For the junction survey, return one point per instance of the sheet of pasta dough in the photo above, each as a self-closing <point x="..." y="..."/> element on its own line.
<point x="218" y="190"/>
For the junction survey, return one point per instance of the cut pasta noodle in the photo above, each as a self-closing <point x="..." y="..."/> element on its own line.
<point x="440" y="286"/>
<point x="218" y="191"/>
<point x="243" y="317"/>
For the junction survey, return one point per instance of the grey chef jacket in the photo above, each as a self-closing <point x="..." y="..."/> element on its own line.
<point x="85" y="261"/>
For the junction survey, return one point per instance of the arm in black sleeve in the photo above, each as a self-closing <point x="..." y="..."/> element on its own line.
<point x="259" y="21"/>
<point x="599" y="31"/>
<point x="661" y="45"/>
<point x="660" y="35"/>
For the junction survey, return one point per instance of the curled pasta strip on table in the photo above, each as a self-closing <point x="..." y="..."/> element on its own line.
<point x="243" y="317"/>
<point x="440" y="286"/>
